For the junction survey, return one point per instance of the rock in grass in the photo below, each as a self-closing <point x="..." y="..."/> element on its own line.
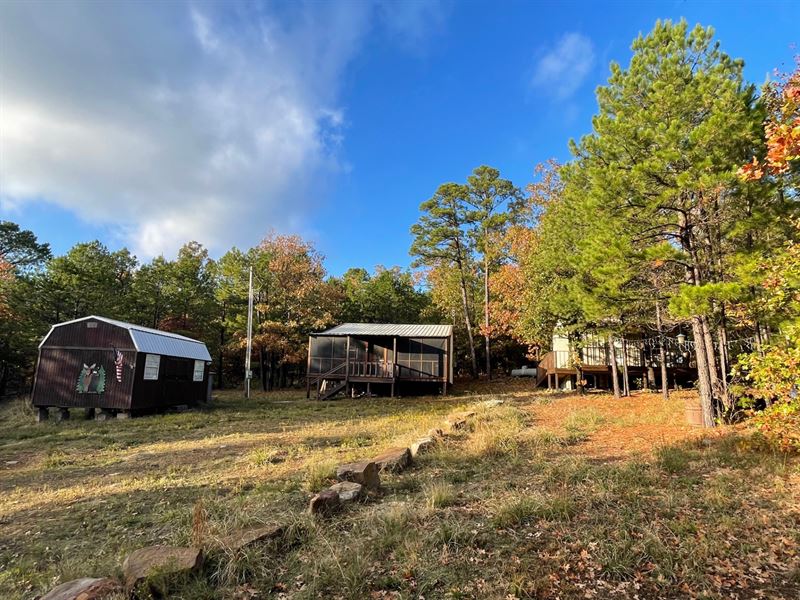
<point x="364" y="472"/>
<point x="455" y="423"/>
<point x="324" y="503"/>
<point x="348" y="491"/>
<point x="459" y="420"/>
<point x="493" y="403"/>
<point x="393" y="460"/>
<point x="86" y="588"/>
<point x="249" y="537"/>
<point x="163" y="561"/>
<point x="422" y="445"/>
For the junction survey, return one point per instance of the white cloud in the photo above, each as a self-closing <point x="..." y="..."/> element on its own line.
<point x="563" y="68"/>
<point x="413" y="22"/>
<point x="173" y="122"/>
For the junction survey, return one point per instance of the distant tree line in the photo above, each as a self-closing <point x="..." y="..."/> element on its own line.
<point x="197" y="296"/>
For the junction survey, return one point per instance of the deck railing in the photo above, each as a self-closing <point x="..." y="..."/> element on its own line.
<point x="599" y="356"/>
<point x="378" y="369"/>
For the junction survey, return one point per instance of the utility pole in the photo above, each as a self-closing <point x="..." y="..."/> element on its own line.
<point x="248" y="374"/>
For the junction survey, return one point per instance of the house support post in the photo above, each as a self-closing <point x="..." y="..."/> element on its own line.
<point x="446" y="365"/>
<point x="102" y="414"/>
<point x="394" y="363"/>
<point x="42" y="414"/>
<point x="347" y="364"/>
<point x="62" y="415"/>
<point x="124" y="414"/>
<point x="308" y="370"/>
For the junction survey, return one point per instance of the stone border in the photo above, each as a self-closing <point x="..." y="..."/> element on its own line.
<point x="356" y="480"/>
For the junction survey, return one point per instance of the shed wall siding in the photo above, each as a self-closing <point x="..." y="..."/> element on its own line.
<point x="77" y="334"/>
<point x="59" y="369"/>
<point x="168" y="390"/>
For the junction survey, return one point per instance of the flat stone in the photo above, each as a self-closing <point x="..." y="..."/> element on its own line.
<point x="159" y="560"/>
<point x="124" y="414"/>
<point x="459" y="420"/>
<point x="364" y="472"/>
<point x="250" y="537"/>
<point x="493" y="403"/>
<point x="324" y="503"/>
<point x="86" y="588"/>
<point x="348" y="491"/>
<point x="456" y="423"/>
<point x="393" y="460"/>
<point x="422" y="445"/>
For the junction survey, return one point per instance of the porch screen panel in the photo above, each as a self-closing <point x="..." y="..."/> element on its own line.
<point x="322" y="359"/>
<point x="431" y="357"/>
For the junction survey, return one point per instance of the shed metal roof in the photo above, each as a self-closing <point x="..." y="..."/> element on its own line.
<point x="151" y="341"/>
<point x="391" y="329"/>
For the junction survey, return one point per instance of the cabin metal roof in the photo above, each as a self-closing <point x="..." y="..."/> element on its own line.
<point x="390" y="329"/>
<point x="151" y="341"/>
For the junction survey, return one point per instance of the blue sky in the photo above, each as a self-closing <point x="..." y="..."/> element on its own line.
<point x="150" y="124"/>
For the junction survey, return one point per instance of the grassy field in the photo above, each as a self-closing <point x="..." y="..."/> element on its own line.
<point x="544" y="496"/>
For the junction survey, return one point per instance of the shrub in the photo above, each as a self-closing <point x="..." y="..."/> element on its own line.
<point x="779" y="426"/>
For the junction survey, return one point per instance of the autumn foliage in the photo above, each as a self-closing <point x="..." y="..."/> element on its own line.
<point x="782" y="128"/>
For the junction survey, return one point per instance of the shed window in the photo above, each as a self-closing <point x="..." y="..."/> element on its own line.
<point x="199" y="370"/>
<point x="151" y="365"/>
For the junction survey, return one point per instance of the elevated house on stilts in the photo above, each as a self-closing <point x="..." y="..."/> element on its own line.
<point x="592" y="358"/>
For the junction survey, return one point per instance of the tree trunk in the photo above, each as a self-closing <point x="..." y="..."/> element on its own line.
<point x="273" y="372"/>
<point x="703" y="375"/>
<point x="262" y="369"/>
<point x="468" y="323"/>
<point x="704" y="367"/>
<point x="626" y="384"/>
<point x="486" y="313"/>
<point x="662" y="353"/>
<point x="3" y="379"/>
<point x="579" y="381"/>
<point x="220" y="357"/>
<point x="717" y="387"/>
<point x="612" y="354"/>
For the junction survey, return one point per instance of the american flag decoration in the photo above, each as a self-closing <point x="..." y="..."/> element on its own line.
<point x="119" y="362"/>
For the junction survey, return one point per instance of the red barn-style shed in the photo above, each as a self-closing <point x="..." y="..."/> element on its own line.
<point x="117" y="367"/>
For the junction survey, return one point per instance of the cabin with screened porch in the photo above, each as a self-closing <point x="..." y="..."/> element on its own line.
<point x="380" y="359"/>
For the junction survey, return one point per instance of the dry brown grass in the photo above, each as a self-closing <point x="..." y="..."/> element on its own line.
<point x="545" y="496"/>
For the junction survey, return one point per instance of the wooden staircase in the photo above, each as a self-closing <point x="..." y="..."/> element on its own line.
<point x="330" y="392"/>
<point x="545" y="366"/>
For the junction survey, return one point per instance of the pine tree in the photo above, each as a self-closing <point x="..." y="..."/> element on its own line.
<point x="441" y="241"/>
<point x="494" y="203"/>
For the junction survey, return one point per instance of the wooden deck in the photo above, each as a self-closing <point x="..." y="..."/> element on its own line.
<point x="340" y="377"/>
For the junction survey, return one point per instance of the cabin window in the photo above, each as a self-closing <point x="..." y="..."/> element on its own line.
<point x="199" y="370"/>
<point x="151" y="365"/>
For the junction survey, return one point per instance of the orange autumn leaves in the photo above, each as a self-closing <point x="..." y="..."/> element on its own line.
<point x="782" y="130"/>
